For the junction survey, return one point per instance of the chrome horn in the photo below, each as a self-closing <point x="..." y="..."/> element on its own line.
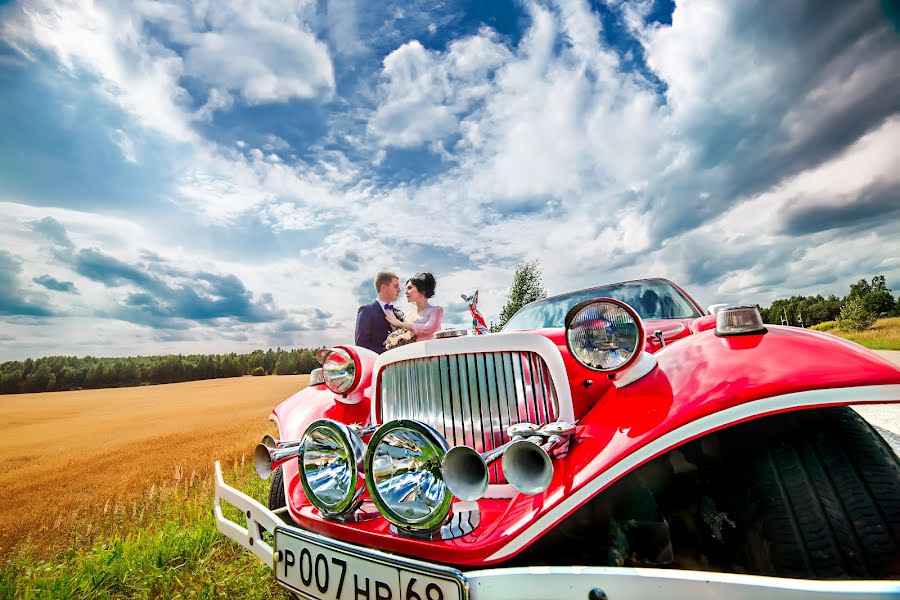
<point x="465" y="471"/>
<point x="527" y="463"/>
<point x="271" y="454"/>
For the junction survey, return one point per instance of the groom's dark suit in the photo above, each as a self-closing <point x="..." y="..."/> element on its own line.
<point x="371" y="327"/>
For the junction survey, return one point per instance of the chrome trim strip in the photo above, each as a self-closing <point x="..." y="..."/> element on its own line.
<point x="467" y="409"/>
<point x="540" y="583"/>
<point x="495" y="342"/>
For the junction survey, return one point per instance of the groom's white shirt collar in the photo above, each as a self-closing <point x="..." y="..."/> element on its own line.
<point x="382" y="303"/>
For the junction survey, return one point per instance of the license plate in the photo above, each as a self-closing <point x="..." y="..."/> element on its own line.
<point x="325" y="569"/>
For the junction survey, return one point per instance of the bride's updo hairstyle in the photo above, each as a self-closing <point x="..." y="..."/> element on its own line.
<point x="424" y="282"/>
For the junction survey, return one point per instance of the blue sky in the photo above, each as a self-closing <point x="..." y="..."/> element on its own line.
<point x="193" y="177"/>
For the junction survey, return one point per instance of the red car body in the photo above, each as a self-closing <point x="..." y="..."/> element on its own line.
<point x="687" y="385"/>
<point x="699" y="385"/>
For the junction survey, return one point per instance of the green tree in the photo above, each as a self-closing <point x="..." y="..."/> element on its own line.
<point x="168" y="370"/>
<point x="38" y="380"/>
<point x="306" y="361"/>
<point x="879" y="302"/>
<point x="231" y="367"/>
<point x="11" y="382"/>
<point x="67" y="378"/>
<point x="527" y="286"/>
<point x="855" y="316"/>
<point x="284" y="365"/>
<point x="95" y="377"/>
<point x="258" y="372"/>
<point x="811" y="310"/>
<point x="859" y="289"/>
<point x="270" y="359"/>
<point x="257" y="358"/>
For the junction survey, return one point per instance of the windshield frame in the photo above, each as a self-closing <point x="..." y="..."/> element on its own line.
<point x="699" y="312"/>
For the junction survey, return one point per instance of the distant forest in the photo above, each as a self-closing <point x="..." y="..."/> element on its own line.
<point x="61" y="373"/>
<point x="874" y="298"/>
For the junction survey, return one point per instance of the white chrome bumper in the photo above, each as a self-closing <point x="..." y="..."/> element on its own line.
<point x="541" y="583"/>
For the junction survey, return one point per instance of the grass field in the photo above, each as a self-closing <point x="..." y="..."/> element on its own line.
<point x="164" y="545"/>
<point x="94" y="479"/>
<point x="884" y="335"/>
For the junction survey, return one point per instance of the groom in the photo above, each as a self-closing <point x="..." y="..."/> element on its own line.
<point x="371" y="326"/>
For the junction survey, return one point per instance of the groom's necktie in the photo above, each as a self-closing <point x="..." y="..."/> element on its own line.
<point x="389" y="307"/>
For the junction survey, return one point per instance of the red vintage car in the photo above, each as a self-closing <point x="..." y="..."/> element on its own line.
<point x="614" y="442"/>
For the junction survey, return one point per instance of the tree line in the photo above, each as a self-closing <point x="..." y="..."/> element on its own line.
<point x="61" y="373"/>
<point x="867" y="301"/>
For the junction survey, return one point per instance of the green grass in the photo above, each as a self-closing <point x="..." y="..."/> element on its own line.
<point x="884" y="335"/>
<point x="167" y="547"/>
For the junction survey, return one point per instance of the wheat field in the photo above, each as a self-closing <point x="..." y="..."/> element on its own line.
<point x="70" y="458"/>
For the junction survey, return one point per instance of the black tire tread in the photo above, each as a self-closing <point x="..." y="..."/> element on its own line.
<point x="277" y="497"/>
<point x="828" y="498"/>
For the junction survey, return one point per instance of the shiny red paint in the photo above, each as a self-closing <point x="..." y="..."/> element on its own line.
<point x="698" y="375"/>
<point x="672" y="331"/>
<point x="703" y="324"/>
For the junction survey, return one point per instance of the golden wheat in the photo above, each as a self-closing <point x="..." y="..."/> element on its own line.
<point x="74" y="464"/>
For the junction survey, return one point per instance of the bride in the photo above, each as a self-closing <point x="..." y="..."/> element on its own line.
<point x="426" y="319"/>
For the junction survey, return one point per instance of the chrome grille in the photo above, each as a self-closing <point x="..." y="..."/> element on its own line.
<point x="470" y="398"/>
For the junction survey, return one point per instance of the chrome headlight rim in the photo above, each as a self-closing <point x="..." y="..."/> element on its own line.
<point x="438" y="516"/>
<point x="316" y="377"/>
<point x="349" y="385"/>
<point x="579" y="308"/>
<point x="354" y="448"/>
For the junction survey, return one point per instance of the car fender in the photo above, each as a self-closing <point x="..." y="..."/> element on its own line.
<point x="294" y="414"/>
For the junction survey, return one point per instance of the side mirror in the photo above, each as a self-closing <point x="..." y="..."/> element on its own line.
<point x="714" y="308"/>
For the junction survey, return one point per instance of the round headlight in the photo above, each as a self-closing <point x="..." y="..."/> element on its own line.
<point x="605" y="335"/>
<point x="403" y="475"/>
<point x="340" y="371"/>
<point x="330" y="461"/>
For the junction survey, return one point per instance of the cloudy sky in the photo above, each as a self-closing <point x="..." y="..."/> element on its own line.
<point x="209" y="176"/>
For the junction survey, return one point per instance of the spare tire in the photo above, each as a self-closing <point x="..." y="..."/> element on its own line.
<point x="825" y="497"/>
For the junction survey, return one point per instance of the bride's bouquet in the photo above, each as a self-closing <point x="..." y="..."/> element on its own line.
<point x="399" y="337"/>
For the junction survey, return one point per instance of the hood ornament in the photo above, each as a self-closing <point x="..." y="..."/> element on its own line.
<point x="478" y="322"/>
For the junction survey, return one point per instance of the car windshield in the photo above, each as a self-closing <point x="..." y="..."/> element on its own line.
<point x="651" y="298"/>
